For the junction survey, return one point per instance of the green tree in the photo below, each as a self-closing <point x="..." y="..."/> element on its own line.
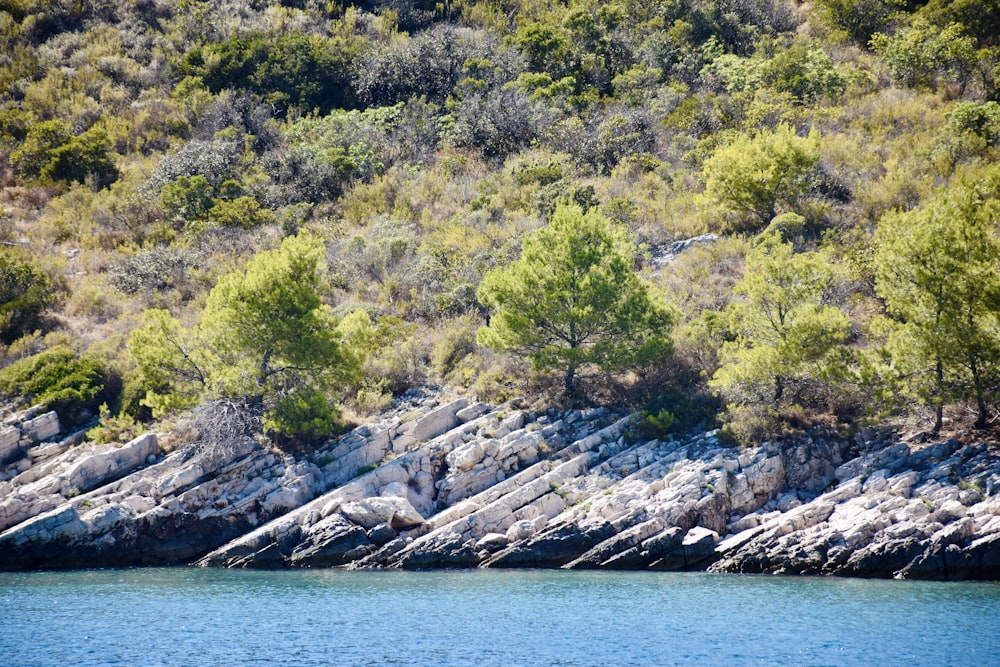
<point x="858" y="20"/>
<point x="785" y="335"/>
<point x="171" y="365"/>
<point x="265" y="337"/>
<point x="938" y="274"/>
<point x="573" y="300"/>
<point x="755" y="175"/>
<point x="187" y="198"/>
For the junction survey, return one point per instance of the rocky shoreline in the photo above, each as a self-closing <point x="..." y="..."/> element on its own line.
<point x="442" y="482"/>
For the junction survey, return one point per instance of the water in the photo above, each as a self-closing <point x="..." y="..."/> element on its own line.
<point x="187" y="616"/>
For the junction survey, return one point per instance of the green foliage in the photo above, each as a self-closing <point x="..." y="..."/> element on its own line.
<point x="25" y="294"/>
<point x="979" y="18"/>
<point x="785" y="336"/>
<point x="924" y="55"/>
<point x="265" y="336"/>
<point x="572" y="300"/>
<point x="51" y="152"/>
<point x="652" y="426"/>
<point x="288" y="70"/>
<point x="245" y="212"/>
<point x="858" y="20"/>
<point x="938" y="274"/>
<point x="60" y="380"/>
<point x="171" y="365"/>
<point x="803" y="71"/>
<point x="187" y="198"/>
<point x="111" y="428"/>
<point x="327" y="152"/>
<point x="427" y="141"/>
<point x="87" y="156"/>
<point x="971" y="130"/>
<point x="755" y="175"/>
<point x="271" y="335"/>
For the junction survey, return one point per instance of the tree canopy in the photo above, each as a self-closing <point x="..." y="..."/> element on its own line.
<point x="265" y="336"/>
<point x="785" y="333"/>
<point x="939" y="275"/>
<point x="572" y="300"/>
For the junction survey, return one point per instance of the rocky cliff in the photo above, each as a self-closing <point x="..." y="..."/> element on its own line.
<point x="453" y="483"/>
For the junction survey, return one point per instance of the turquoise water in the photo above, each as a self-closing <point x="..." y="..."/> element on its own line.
<point x="187" y="616"/>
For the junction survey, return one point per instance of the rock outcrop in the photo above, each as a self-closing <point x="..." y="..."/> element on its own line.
<point x="454" y="483"/>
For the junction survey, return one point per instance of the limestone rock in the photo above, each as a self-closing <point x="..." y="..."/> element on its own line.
<point x="42" y="427"/>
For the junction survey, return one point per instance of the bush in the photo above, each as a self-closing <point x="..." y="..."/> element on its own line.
<point x="74" y="386"/>
<point x="754" y="176"/>
<point x="25" y="294"/>
<point x="214" y="160"/>
<point x="154" y="270"/>
<point x="924" y="56"/>
<point x="498" y="122"/>
<point x="428" y="65"/>
<point x="187" y="198"/>
<point x="289" y="70"/>
<point x="50" y="152"/>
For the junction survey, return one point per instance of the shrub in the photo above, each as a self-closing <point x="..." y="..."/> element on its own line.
<point x="214" y="160"/>
<point x="51" y="152"/>
<point x="498" y="122"/>
<point x="752" y="177"/>
<point x="288" y="70"/>
<point x="245" y="212"/>
<point x="429" y="65"/>
<point x="25" y="294"/>
<point x="187" y="198"/>
<point x="925" y="56"/>
<point x="858" y="20"/>
<point x="61" y="380"/>
<point x="154" y="270"/>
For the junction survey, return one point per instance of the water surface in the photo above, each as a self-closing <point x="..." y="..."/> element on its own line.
<point x="188" y="616"/>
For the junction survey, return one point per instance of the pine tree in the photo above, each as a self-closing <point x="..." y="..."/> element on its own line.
<point x="573" y="300"/>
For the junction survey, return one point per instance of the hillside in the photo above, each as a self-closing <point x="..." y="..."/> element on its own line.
<point x="307" y="210"/>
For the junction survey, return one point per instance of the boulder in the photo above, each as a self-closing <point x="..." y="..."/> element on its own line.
<point x="382" y="534"/>
<point x="392" y="510"/>
<point x="699" y="545"/>
<point x="520" y="530"/>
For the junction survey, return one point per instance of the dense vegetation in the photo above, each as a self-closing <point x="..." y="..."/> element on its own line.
<point x="312" y="207"/>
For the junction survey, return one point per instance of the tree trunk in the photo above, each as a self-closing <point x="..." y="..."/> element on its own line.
<point x="939" y="408"/>
<point x="977" y="383"/>
<point x="568" y="386"/>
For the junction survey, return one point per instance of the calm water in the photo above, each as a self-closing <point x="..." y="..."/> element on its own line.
<point x="186" y="616"/>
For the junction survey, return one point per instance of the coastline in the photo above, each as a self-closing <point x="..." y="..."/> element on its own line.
<point x="443" y="482"/>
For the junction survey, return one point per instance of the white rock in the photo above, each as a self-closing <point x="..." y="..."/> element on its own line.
<point x="42" y="427"/>
<point x="370" y="512"/>
<point x="492" y="541"/>
<point x="520" y="530"/>
<point x="465" y="457"/>
<point x="474" y="411"/>
<point x="9" y="442"/>
<point x="394" y="489"/>
<point x="438" y="421"/>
